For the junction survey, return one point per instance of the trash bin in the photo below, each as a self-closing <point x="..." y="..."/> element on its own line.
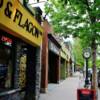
<point x="86" y="94"/>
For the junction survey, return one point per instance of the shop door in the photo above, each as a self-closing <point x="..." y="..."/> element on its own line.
<point x="52" y="70"/>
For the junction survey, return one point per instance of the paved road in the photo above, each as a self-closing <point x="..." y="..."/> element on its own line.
<point x="66" y="90"/>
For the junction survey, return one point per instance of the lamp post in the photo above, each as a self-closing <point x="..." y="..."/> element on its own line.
<point x="86" y="55"/>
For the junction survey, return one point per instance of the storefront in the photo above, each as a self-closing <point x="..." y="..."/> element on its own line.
<point x="63" y="66"/>
<point x="20" y="42"/>
<point x="53" y="60"/>
<point x="64" y="62"/>
<point x="50" y="71"/>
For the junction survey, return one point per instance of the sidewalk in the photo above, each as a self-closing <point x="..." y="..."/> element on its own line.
<point x="66" y="90"/>
<point x="99" y="94"/>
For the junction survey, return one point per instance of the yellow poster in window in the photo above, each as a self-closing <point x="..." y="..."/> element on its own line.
<point x="22" y="71"/>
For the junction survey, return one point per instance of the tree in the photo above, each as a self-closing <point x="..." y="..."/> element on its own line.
<point x="77" y="50"/>
<point x="81" y="18"/>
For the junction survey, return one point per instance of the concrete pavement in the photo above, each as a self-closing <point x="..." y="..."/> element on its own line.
<point x="99" y="94"/>
<point x="66" y="90"/>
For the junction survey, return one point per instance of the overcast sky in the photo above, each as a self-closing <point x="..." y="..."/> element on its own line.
<point x="35" y="4"/>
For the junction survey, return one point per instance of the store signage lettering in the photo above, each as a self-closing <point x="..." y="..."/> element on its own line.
<point x="18" y="17"/>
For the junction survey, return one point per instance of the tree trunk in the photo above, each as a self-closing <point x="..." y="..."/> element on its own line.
<point x="94" y="74"/>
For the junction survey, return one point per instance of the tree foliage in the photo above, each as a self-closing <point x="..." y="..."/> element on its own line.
<point x="77" y="50"/>
<point x="76" y="17"/>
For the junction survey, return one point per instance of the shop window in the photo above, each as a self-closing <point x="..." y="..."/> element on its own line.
<point x="22" y="66"/>
<point x="22" y="71"/>
<point x="5" y="63"/>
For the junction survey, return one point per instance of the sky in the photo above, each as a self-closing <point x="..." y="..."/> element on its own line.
<point x="35" y="4"/>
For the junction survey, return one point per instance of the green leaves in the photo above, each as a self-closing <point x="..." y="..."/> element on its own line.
<point x="77" y="17"/>
<point x="77" y="49"/>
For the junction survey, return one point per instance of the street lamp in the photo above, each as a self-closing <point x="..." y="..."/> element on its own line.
<point x="86" y="55"/>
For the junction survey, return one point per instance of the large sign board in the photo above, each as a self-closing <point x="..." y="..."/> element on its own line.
<point x="19" y="22"/>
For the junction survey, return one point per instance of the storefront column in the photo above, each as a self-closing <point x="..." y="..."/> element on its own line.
<point x="38" y="73"/>
<point x="33" y="73"/>
<point x="16" y="61"/>
<point x="30" y="73"/>
<point x="44" y="71"/>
